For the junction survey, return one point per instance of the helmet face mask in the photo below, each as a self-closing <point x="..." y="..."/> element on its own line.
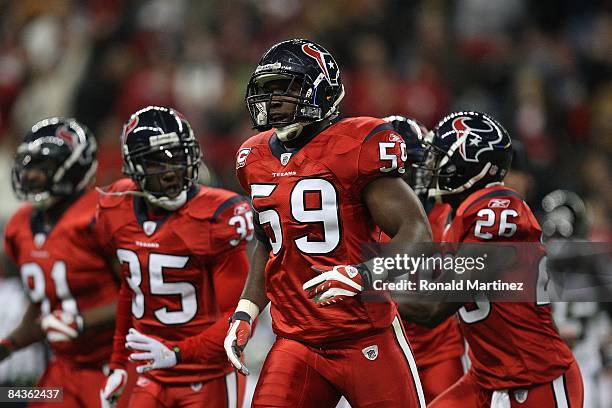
<point x="161" y="154"/>
<point x="166" y="172"/>
<point x="297" y="73"/>
<point x="55" y="161"/>
<point x="414" y="135"/>
<point x="275" y="100"/>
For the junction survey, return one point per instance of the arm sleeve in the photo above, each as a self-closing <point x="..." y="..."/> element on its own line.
<point x="123" y="320"/>
<point x="382" y="154"/>
<point x="229" y="266"/>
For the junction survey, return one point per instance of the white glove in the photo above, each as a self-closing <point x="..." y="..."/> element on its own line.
<point x="335" y="285"/>
<point x="156" y="353"/>
<point x="61" y="326"/>
<point x="237" y="338"/>
<point x="115" y="383"/>
<point x="500" y="399"/>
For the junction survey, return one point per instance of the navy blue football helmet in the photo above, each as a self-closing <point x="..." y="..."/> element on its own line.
<point x="156" y="141"/>
<point x="309" y="79"/>
<point x="466" y="151"/>
<point x="414" y="134"/>
<point x="63" y="152"/>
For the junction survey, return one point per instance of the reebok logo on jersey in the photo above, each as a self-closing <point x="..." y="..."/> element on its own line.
<point x="241" y="158"/>
<point x="499" y="203"/>
<point x="241" y="209"/>
<point x="370" y="352"/>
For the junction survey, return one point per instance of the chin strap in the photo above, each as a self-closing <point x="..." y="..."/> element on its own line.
<point x="43" y="201"/>
<point x="170" y="204"/>
<point x="437" y="192"/>
<point x="289" y="132"/>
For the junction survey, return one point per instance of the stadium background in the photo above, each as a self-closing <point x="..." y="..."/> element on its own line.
<point x="542" y="67"/>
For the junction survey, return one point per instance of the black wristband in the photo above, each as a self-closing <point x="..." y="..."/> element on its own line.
<point x="177" y="353"/>
<point x="240" y="316"/>
<point x="365" y="275"/>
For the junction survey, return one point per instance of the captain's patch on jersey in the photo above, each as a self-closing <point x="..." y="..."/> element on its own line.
<point x="241" y="158"/>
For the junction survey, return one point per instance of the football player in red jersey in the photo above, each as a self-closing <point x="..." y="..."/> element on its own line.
<point x="71" y="286"/>
<point x="438" y="350"/>
<point x="181" y="246"/>
<point x="518" y="358"/>
<point x="320" y="186"/>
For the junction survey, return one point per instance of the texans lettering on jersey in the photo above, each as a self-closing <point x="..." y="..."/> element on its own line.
<point x="65" y="269"/>
<point x="511" y="344"/>
<point x="309" y="204"/>
<point x="183" y="272"/>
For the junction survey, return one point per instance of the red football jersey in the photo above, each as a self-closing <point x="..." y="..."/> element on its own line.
<point x="65" y="270"/>
<point x="183" y="273"/>
<point x="443" y="342"/>
<point x="511" y="344"/>
<point x="309" y="203"/>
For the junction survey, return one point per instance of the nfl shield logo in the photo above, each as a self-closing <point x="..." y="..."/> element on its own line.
<point x="521" y="395"/>
<point x="39" y="239"/>
<point x="370" y="352"/>
<point x="149" y="227"/>
<point x="285" y="158"/>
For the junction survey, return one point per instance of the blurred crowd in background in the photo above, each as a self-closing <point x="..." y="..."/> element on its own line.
<point x="543" y="68"/>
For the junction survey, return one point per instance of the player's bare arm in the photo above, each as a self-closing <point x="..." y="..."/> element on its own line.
<point x="398" y="212"/>
<point x="254" y="289"/>
<point x="101" y="316"/>
<point x="252" y="301"/>
<point x="28" y="332"/>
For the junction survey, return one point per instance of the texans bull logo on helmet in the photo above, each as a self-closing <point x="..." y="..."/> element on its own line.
<point x="472" y="141"/>
<point x="325" y="62"/>
<point x="66" y="135"/>
<point x="131" y="125"/>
